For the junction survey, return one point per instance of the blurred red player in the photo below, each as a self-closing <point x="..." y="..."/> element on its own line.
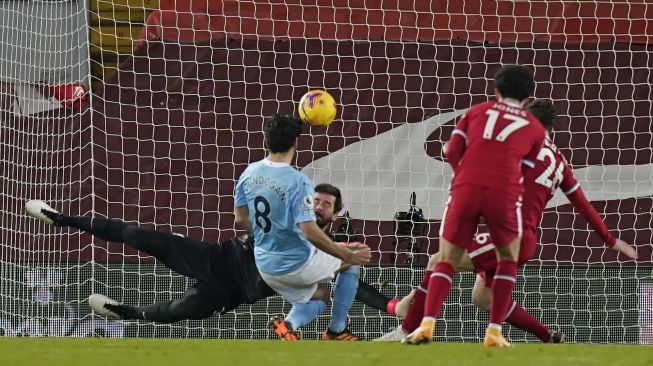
<point x="551" y="171"/>
<point x="486" y="151"/>
<point x="72" y="95"/>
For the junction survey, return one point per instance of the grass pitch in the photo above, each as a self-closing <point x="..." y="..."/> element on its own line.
<point x="156" y="352"/>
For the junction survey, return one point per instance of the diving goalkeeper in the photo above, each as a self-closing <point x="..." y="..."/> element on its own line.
<point x="226" y="273"/>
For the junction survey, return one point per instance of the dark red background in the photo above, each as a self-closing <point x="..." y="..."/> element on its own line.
<point x="170" y="133"/>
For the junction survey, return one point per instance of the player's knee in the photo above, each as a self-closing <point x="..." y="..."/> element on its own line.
<point x="480" y="302"/>
<point x="433" y="260"/>
<point x="322" y="293"/>
<point x="353" y="269"/>
<point x="508" y="256"/>
<point x="509" y="252"/>
<point x="481" y="298"/>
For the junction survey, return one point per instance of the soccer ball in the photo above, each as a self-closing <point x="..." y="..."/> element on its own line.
<point x="317" y="108"/>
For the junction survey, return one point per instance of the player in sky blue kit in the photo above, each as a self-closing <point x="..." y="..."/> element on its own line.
<point x="274" y="202"/>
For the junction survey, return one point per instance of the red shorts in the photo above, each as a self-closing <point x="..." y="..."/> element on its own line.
<point x="468" y="203"/>
<point x="484" y="257"/>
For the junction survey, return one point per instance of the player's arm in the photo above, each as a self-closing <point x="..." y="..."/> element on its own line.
<point x="321" y="240"/>
<point x="455" y="148"/>
<point x="536" y="146"/>
<point x="578" y="199"/>
<point x="242" y="219"/>
<point x="241" y="212"/>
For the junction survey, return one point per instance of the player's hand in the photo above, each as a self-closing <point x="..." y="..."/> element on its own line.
<point x="353" y="245"/>
<point x="626" y="249"/>
<point x="360" y="255"/>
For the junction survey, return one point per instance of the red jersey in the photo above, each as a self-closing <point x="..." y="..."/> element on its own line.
<point x="490" y="142"/>
<point x="550" y="172"/>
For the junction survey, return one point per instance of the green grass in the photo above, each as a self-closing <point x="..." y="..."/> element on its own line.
<point x="155" y="352"/>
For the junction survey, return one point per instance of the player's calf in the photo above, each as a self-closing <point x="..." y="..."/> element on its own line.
<point x="401" y="306"/>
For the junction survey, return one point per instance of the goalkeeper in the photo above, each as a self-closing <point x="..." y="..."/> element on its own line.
<point x="226" y="273"/>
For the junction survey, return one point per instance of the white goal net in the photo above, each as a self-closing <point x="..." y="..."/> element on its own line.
<point x="178" y="92"/>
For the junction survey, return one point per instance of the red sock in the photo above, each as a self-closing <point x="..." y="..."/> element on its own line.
<point x="502" y="285"/>
<point x="416" y="307"/>
<point x="438" y="290"/>
<point x="523" y="320"/>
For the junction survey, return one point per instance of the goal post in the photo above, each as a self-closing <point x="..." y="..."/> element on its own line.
<point x="166" y="136"/>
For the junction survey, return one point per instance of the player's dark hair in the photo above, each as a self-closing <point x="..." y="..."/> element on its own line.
<point x="327" y="188"/>
<point x="281" y="132"/>
<point x="545" y="111"/>
<point x="514" y="81"/>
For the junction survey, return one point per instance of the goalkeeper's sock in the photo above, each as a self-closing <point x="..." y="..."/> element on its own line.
<point x="302" y="314"/>
<point x="343" y="296"/>
<point x="164" y="312"/>
<point x="416" y="308"/>
<point x="160" y="312"/>
<point x="502" y="286"/>
<point x="105" y="229"/>
<point x="521" y="319"/>
<point x="438" y="290"/>
<point x="371" y="297"/>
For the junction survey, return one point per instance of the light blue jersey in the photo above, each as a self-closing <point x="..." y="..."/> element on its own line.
<point x="278" y="198"/>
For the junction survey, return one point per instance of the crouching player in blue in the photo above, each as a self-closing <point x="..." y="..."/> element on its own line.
<point x="294" y="256"/>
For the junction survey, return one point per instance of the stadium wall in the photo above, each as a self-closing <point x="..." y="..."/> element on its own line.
<point x="200" y="21"/>
<point x="188" y="112"/>
<point x="191" y="136"/>
<point x="199" y="74"/>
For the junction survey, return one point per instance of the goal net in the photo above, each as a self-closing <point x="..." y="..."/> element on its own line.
<point x="180" y="91"/>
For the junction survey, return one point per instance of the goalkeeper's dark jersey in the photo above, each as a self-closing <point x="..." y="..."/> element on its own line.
<point x="226" y="272"/>
<point x="227" y="275"/>
<point x="231" y="277"/>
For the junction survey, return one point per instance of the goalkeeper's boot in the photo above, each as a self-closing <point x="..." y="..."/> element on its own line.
<point x="393" y="336"/>
<point x="422" y="335"/>
<point x="105" y="306"/>
<point x="283" y="329"/>
<point x="345" y="335"/>
<point x="42" y="211"/>
<point x="556" y="337"/>
<point x="494" y="338"/>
